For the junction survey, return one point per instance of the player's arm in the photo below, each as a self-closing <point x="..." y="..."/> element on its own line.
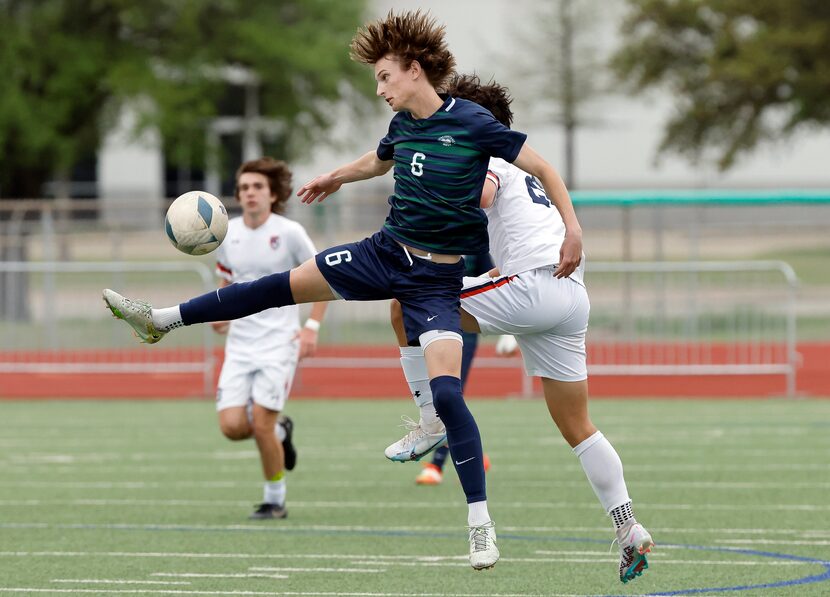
<point x="488" y="193"/>
<point x="310" y="331"/>
<point x="571" y="252"/>
<point x="367" y="166"/>
<point x="221" y="327"/>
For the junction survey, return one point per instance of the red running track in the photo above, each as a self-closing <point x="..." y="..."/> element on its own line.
<point x="813" y="378"/>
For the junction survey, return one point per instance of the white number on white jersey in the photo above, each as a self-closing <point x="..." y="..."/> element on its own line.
<point x="418" y="163"/>
<point x="338" y="257"/>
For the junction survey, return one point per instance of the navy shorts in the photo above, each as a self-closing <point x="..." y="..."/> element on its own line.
<point x="378" y="268"/>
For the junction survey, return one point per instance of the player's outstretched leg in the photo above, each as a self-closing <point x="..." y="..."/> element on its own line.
<point x="137" y="314"/>
<point x="568" y="406"/>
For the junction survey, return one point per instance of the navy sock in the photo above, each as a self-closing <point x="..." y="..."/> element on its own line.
<point x="238" y="300"/>
<point x="462" y="435"/>
<point x="439" y="457"/>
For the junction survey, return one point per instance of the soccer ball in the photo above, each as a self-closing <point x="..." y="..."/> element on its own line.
<point x="196" y="223"/>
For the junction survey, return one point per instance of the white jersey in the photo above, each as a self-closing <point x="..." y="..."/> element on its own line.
<point x="526" y="230"/>
<point x="278" y="245"/>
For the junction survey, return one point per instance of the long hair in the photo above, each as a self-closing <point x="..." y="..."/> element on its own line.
<point x="407" y="36"/>
<point x="279" y="179"/>
<point x="492" y="96"/>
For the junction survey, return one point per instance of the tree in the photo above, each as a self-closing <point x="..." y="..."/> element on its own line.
<point x="68" y="65"/>
<point x="566" y="71"/>
<point x="742" y="71"/>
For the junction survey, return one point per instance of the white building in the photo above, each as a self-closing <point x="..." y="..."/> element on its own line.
<point x="488" y="37"/>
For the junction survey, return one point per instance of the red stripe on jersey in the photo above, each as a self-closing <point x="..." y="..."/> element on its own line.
<point x="223" y="269"/>
<point x="486" y="286"/>
<point x="494" y="177"/>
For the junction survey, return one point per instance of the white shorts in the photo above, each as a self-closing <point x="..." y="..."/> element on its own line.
<point x="548" y="316"/>
<point x="267" y="384"/>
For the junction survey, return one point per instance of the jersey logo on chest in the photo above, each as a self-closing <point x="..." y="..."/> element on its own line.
<point x="274" y="242"/>
<point x="446" y="140"/>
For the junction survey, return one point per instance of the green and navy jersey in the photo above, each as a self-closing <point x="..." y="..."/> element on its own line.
<point x="440" y="167"/>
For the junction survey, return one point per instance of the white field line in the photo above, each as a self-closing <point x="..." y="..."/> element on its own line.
<point x="719" y="485"/>
<point x="259" y="572"/>
<point x="102" y="591"/>
<point x="219" y="575"/>
<point x="771" y="542"/>
<point x="550" y="470"/>
<point x="324" y="460"/>
<point x="119" y="581"/>
<point x="613" y="560"/>
<point x="382" y="560"/>
<point x="804" y="533"/>
<point x="410" y="505"/>
<point x="284" y="569"/>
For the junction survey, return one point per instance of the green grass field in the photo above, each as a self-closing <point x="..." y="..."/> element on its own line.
<point x="147" y="498"/>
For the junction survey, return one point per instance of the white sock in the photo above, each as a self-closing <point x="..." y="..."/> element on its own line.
<point x="279" y="431"/>
<point x="415" y="371"/>
<point x="167" y="318"/>
<point x="603" y="467"/>
<point x="274" y="492"/>
<point x="477" y="514"/>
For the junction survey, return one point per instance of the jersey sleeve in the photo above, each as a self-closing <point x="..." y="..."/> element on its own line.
<point x="223" y="269"/>
<point x="302" y="249"/>
<point x="500" y="172"/>
<point x="386" y="147"/>
<point x="490" y="135"/>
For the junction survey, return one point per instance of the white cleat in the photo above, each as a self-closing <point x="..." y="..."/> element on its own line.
<point x="483" y="551"/>
<point x="635" y="542"/>
<point x="416" y="444"/>
<point x="136" y="313"/>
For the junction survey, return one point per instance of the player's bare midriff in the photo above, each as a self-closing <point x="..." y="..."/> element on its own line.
<point x="434" y="257"/>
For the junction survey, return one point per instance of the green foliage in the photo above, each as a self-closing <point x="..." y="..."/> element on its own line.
<point x="742" y="71"/>
<point x="68" y="65"/>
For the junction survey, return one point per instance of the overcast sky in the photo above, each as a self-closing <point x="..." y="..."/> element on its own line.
<point x="618" y="148"/>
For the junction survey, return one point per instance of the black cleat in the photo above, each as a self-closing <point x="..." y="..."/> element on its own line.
<point x="266" y="511"/>
<point x="287" y="444"/>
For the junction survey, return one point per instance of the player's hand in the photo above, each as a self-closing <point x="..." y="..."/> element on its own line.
<point x="308" y="342"/>
<point x="220" y="327"/>
<point x="506" y="346"/>
<point x="318" y="188"/>
<point x="570" y="254"/>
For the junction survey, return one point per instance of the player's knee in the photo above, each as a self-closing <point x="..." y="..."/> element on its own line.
<point x="233" y="423"/>
<point x="395" y="312"/>
<point x="235" y="430"/>
<point x="446" y="396"/>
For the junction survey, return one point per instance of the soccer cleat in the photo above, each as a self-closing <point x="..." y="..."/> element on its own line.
<point x="483" y="551"/>
<point x="635" y="542"/>
<point x="416" y="444"/>
<point x="266" y="511"/>
<point x="287" y="444"/>
<point x="430" y="475"/>
<point x="136" y="313"/>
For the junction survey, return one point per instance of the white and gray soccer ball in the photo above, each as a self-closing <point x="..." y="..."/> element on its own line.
<point x="196" y="223"/>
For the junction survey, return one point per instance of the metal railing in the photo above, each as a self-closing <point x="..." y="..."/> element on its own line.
<point x="68" y="330"/>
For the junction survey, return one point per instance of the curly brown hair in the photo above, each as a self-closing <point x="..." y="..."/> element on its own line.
<point x="407" y="36"/>
<point x="279" y="179"/>
<point x="492" y="96"/>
